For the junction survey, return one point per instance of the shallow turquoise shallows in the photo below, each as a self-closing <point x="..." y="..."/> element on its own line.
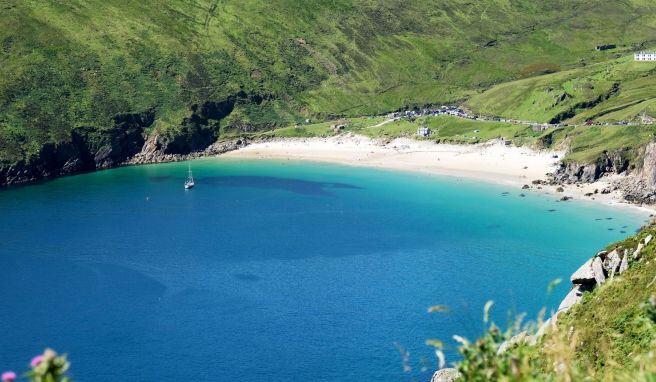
<point x="275" y="271"/>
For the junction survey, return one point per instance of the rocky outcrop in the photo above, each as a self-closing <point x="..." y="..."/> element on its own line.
<point x="88" y="149"/>
<point x="152" y="152"/>
<point x="608" y="163"/>
<point x="446" y="375"/>
<point x="574" y="296"/>
<point x="638" y="185"/>
<point x="641" y="186"/>
<point x="594" y="272"/>
<point x="199" y="130"/>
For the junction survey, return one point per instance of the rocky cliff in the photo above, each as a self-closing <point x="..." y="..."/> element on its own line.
<point x="87" y="149"/>
<point x="637" y="167"/>
<point x="132" y="140"/>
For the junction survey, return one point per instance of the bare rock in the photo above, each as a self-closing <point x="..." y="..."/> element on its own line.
<point x="518" y="338"/>
<point x="151" y="145"/>
<point x="624" y="265"/>
<point x="649" y="165"/>
<point x="612" y="263"/>
<point x="573" y="297"/>
<point x="636" y="253"/>
<point x="648" y="239"/>
<point x="550" y="323"/>
<point x="583" y="275"/>
<point x="446" y="375"/>
<point x="598" y="270"/>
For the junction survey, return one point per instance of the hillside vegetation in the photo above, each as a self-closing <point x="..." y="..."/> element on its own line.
<point x="611" y="91"/>
<point x="101" y="73"/>
<point x="609" y="336"/>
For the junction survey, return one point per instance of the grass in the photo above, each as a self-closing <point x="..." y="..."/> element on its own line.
<point x="78" y="64"/>
<point x="609" y="336"/>
<point x="611" y="91"/>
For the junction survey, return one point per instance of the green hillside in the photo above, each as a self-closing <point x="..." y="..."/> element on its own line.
<point x="609" y="336"/>
<point x="611" y="91"/>
<point x="192" y="70"/>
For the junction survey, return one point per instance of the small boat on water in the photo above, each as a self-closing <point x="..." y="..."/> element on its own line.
<point x="189" y="183"/>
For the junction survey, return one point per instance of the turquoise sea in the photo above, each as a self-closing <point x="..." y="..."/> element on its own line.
<point x="277" y="271"/>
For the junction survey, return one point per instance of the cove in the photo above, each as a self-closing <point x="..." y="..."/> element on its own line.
<point x="272" y="270"/>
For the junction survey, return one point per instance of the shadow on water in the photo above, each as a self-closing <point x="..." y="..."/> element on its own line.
<point x="297" y="186"/>
<point x="160" y="178"/>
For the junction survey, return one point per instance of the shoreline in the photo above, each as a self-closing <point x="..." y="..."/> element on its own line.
<point x="493" y="162"/>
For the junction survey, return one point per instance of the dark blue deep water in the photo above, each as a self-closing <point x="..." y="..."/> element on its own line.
<point x="276" y="271"/>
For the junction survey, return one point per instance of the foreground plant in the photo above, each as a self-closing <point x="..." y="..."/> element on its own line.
<point x="46" y="367"/>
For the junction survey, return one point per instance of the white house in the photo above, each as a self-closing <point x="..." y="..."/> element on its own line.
<point x="645" y="56"/>
<point x="423" y="131"/>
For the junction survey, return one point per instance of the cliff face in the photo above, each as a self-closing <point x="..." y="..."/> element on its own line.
<point x="608" y="163"/>
<point x="88" y="149"/>
<point x="639" y="183"/>
<point x="641" y="187"/>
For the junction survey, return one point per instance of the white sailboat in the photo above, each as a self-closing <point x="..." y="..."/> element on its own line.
<point x="189" y="183"/>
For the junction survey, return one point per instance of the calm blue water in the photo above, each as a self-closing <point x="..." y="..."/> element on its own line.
<point x="274" y="271"/>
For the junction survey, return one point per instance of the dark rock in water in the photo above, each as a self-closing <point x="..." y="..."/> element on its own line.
<point x="505" y="193"/>
<point x="522" y="195"/>
<point x="565" y="198"/>
<point x="525" y="187"/>
<point x="552" y="210"/>
<point x="560" y="189"/>
<point x="611" y="229"/>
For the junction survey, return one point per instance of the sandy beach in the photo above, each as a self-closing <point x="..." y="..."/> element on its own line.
<point x="491" y="161"/>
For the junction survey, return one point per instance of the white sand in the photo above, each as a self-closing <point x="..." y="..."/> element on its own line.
<point x="492" y="161"/>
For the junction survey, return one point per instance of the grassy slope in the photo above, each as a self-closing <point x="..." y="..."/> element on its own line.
<point x="79" y="63"/>
<point x="586" y="92"/>
<point x="614" y="330"/>
<point x="609" y="336"/>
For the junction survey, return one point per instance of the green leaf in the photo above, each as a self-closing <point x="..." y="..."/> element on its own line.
<point x="486" y="310"/>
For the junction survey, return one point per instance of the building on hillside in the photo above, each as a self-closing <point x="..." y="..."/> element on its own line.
<point x="605" y="47"/>
<point x="540" y="127"/>
<point x="337" y="128"/>
<point x="647" y="119"/>
<point x="423" y="132"/>
<point x="645" y="56"/>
